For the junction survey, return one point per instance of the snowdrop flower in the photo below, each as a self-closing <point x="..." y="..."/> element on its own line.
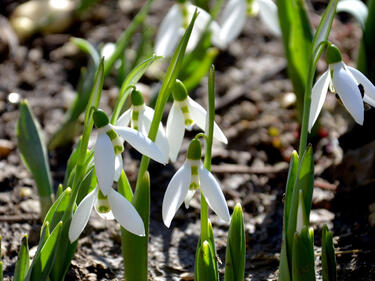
<point x="188" y="179"/>
<point x="109" y="145"/>
<point x="233" y="19"/>
<point x="140" y="117"/>
<point x="351" y="86"/>
<point x="174" y="25"/>
<point x="112" y="206"/>
<point x="183" y="115"/>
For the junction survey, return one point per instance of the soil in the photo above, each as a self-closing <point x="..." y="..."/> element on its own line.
<point x="256" y="111"/>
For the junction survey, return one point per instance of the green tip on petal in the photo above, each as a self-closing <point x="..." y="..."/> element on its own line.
<point x="333" y="54"/>
<point x="100" y="118"/>
<point x="194" y="150"/>
<point x="179" y="91"/>
<point x="137" y="98"/>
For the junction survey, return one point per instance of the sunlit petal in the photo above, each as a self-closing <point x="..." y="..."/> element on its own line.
<point x="125" y="213"/>
<point x="141" y="143"/>
<point x="232" y="22"/>
<point x="268" y="14"/>
<point x="124" y="119"/>
<point x="118" y="167"/>
<point x="175" y="131"/>
<point x="104" y="158"/>
<point x="348" y="91"/>
<point x="175" y="193"/>
<point x="318" y="96"/>
<point x="367" y="85"/>
<point x="213" y="194"/>
<point x="198" y="114"/>
<point x="161" y="138"/>
<point x="369" y="100"/>
<point x="82" y="215"/>
<point x="168" y="34"/>
<point x="188" y="197"/>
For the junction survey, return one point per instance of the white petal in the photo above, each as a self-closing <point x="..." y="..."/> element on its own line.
<point x="348" y="91"/>
<point x="188" y="197"/>
<point x="367" y="85"/>
<point x="369" y="100"/>
<point x="199" y="25"/>
<point x="175" y="193"/>
<point x="198" y="114"/>
<point x="161" y="139"/>
<point x="82" y="215"/>
<point x="124" y="119"/>
<point x="268" y="14"/>
<point x="318" y="96"/>
<point x="118" y="167"/>
<point x="141" y="143"/>
<point x="175" y="131"/>
<point x="125" y="213"/>
<point x="232" y="22"/>
<point x="108" y="50"/>
<point x="213" y="194"/>
<point x="168" y="34"/>
<point x="104" y="157"/>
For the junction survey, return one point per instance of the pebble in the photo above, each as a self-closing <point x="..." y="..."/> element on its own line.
<point x="321" y="216"/>
<point x="30" y="206"/>
<point x="6" y="147"/>
<point x="187" y="276"/>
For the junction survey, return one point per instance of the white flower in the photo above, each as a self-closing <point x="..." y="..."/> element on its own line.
<point x="233" y="19"/>
<point x="108" y="148"/>
<point x="114" y="205"/>
<point x="140" y="117"/>
<point x="187" y="180"/>
<point x="174" y="25"/>
<point x="347" y="82"/>
<point x="184" y="114"/>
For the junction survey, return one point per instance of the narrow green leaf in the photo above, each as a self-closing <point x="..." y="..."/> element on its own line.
<point x="305" y="182"/>
<point x="284" y="267"/>
<point x="23" y="261"/>
<point x="130" y="80"/>
<point x="236" y="247"/>
<point x="328" y="256"/>
<point x="43" y="261"/>
<point x="88" y="48"/>
<point x="124" y="187"/>
<point x="303" y="263"/>
<point x="134" y="247"/>
<point x="34" y="155"/>
<point x="292" y="176"/>
<point x="366" y="55"/>
<point x="206" y="263"/>
<point x="297" y="39"/>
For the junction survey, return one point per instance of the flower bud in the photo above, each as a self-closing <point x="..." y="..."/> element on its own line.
<point x="333" y="54"/>
<point x="179" y="91"/>
<point x="100" y="118"/>
<point x="137" y="98"/>
<point x="194" y="150"/>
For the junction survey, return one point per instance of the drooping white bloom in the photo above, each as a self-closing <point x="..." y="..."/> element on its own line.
<point x="233" y="19"/>
<point x="187" y="180"/>
<point x="112" y="206"/>
<point x="349" y="84"/>
<point x="108" y="148"/>
<point x="184" y="113"/>
<point x="140" y="117"/>
<point x="174" y="25"/>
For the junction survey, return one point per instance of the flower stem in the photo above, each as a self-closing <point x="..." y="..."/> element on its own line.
<point x="208" y="155"/>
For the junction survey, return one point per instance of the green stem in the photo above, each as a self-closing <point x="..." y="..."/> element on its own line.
<point x="208" y="154"/>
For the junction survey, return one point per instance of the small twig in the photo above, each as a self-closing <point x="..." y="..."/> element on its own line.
<point x="19" y="218"/>
<point x="243" y="169"/>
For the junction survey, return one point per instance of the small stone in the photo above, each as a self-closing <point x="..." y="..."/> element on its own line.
<point x="321" y="216"/>
<point x="287" y="100"/>
<point x="25" y="192"/>
<point x="6" y="147"/>
<point x="30" y="206"/>
<point x="187" y="276"/>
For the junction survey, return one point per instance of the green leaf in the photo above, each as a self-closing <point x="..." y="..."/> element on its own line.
<point x="130" y="80"/>
<point x="297" y="40"/>
<point x="124" y="186"/>
<point x="34" y="155"/>
<point x="134" y="247"/>
<point x="292" y="176"/>
<point x="366" y="55"/>
<point x="57" y="210"/>
<point x="88" y="48"/>
<point x="236" y="247"/>
<point x="304" y="182"/>
<point x="206" y="260"/>
<point x="23" y="261"/>
<point x="303" y="263"/>
<point x="328" y="256"/>
<point x="284" y="267"/>
<point x="44" y="260"/>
